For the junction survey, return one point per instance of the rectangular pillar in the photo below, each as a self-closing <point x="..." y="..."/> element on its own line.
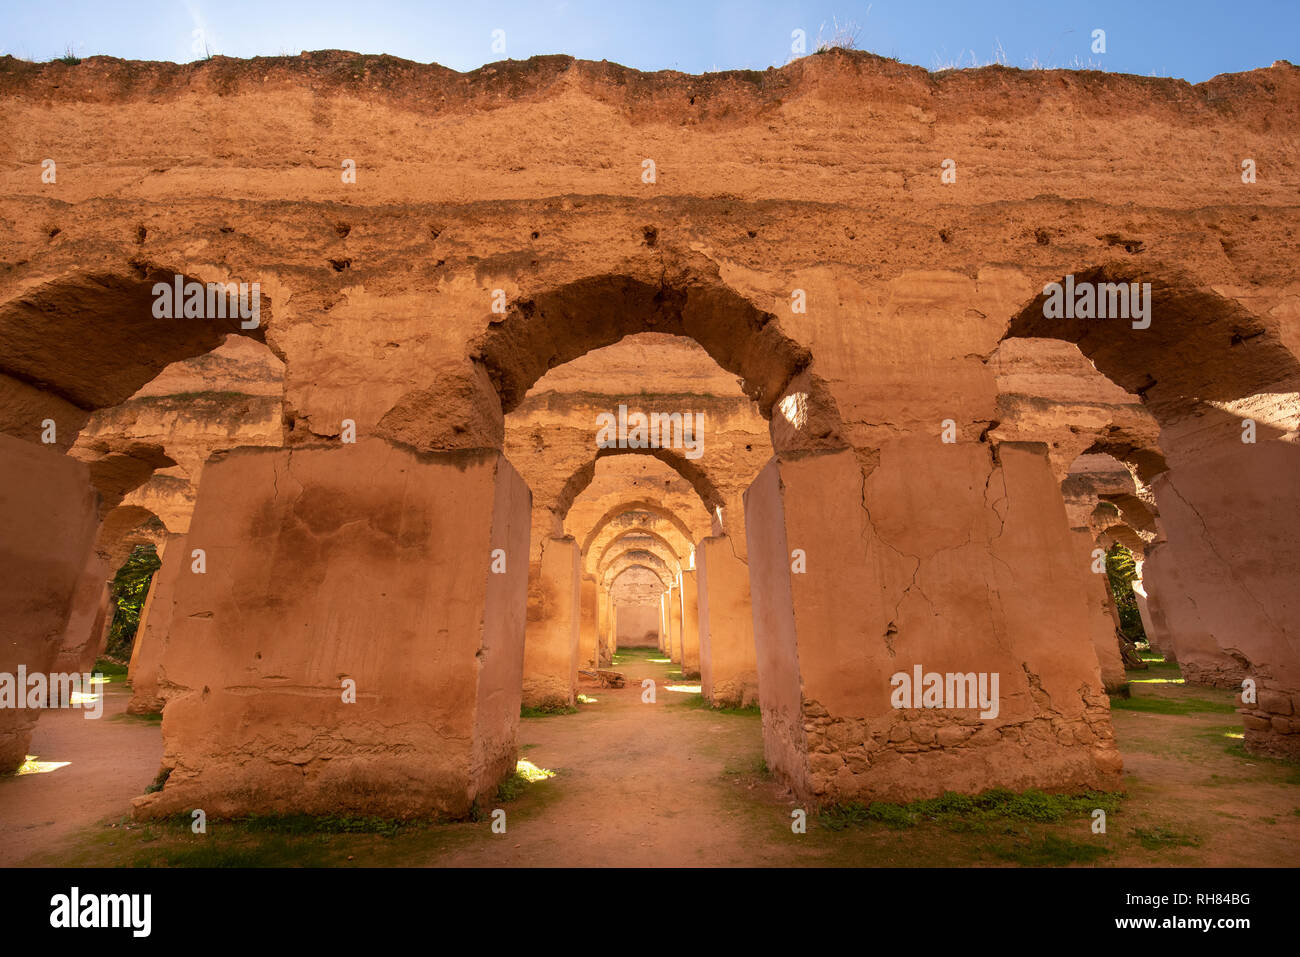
<point x="48" y="522"/>
<point x="604" y="629"/>
<point x="663" y="624"/>
<point x="354" y="644"/>
<point x="1226" y="574"/>
<point x="675" y="622"/>
<point x="1153" y="622"/>
<point x="942" y="559"/>
<point x="1101" y="615"/>
<point x="150" y="637"/>
<point x="728" y="664"/>
<point x="79" y="646"/>
<point x="690" y="625"/>
<point x="551" y="638"/>
<point x="589" y="633"/>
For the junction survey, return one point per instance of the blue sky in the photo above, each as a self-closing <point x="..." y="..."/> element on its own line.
<point x="1192" y="39"/>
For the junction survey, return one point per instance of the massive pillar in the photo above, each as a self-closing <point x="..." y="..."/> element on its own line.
<point x="551" y="641"/>
<point x="941" y="559"/>
<point x="1101" y="619"/>
<point x="1201" y="656"/>
<point x="1232" y="527"/>
<point x="665" y="638"/>
<point x="690" y="625"/>
<point x="675" y="622"/>
<point x="728" y="666"/>
<point x="604" y="628"/>
<point x="155" y="618"/>
<point x="355" y="642"/>
<point x="1153" y="620"/>
<point x="588" y="627"/>
<point x="80" y="644"/>
<point x="613" y="627"/>
<point x="48" y="521"/>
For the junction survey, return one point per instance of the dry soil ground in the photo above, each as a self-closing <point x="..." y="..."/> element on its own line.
<point x="673" y="783"/>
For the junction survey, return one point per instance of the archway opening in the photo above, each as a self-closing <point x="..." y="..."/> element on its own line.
<point x="1224" y="390"/>
<point x="583" y="373"/>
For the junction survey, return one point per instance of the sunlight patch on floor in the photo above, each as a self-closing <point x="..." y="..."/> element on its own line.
<point x="532" y="773"/>
<point x="32" y="766"/>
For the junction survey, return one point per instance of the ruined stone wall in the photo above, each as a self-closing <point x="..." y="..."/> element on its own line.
<point x="799" y="230"/>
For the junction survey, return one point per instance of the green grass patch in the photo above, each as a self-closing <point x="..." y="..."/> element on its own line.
<point x="1234" y="745"/>
<point x="1049" y="851"/>
<point x="159" y="780"/>
<point x="965" y="812"/>
<point x="303" y="824"/>
<point x="1155" y="838"/>
<point x="526" y="773"/>
<point x="687" y="700"/>
<point x="698" y="701"/>
<point x="512" y="788"/>
<point x="547" y="710"/>
<point x="856" y="814"/>
<point x="273" y="840"/>
<point x="299" y="824"/>
<point x="754" y="767"/>
<point x="270" y="841"/>
<point x="277" y="852"/>
<point x="109" y="668"/>
<point x="625" y="655"/>
<point x="749" y="711"/>
<point x="1156" y="705"/>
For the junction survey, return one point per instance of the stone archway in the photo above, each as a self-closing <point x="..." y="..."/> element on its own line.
<point x="351" y="543"/>
<point x="50" y="392"/>
<point x="639" y="533"/>
<point x="1219" y="380"/>
<point x="123" y="344"/>
<point x="636" y="505"/>
<point x="658" y="523"/>
<point x="637" y="593"/>
<point x="552" y="653"/>
<point x="848" y="564"/>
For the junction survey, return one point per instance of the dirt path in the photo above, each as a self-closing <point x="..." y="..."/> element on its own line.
<point x="675" y="784"/>
<point x="111" y="759"/>
<point x="640" y="784"/>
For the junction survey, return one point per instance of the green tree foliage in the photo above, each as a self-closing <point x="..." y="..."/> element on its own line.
<point x="130" y="588"/>
<point x="1121" y="570"/>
